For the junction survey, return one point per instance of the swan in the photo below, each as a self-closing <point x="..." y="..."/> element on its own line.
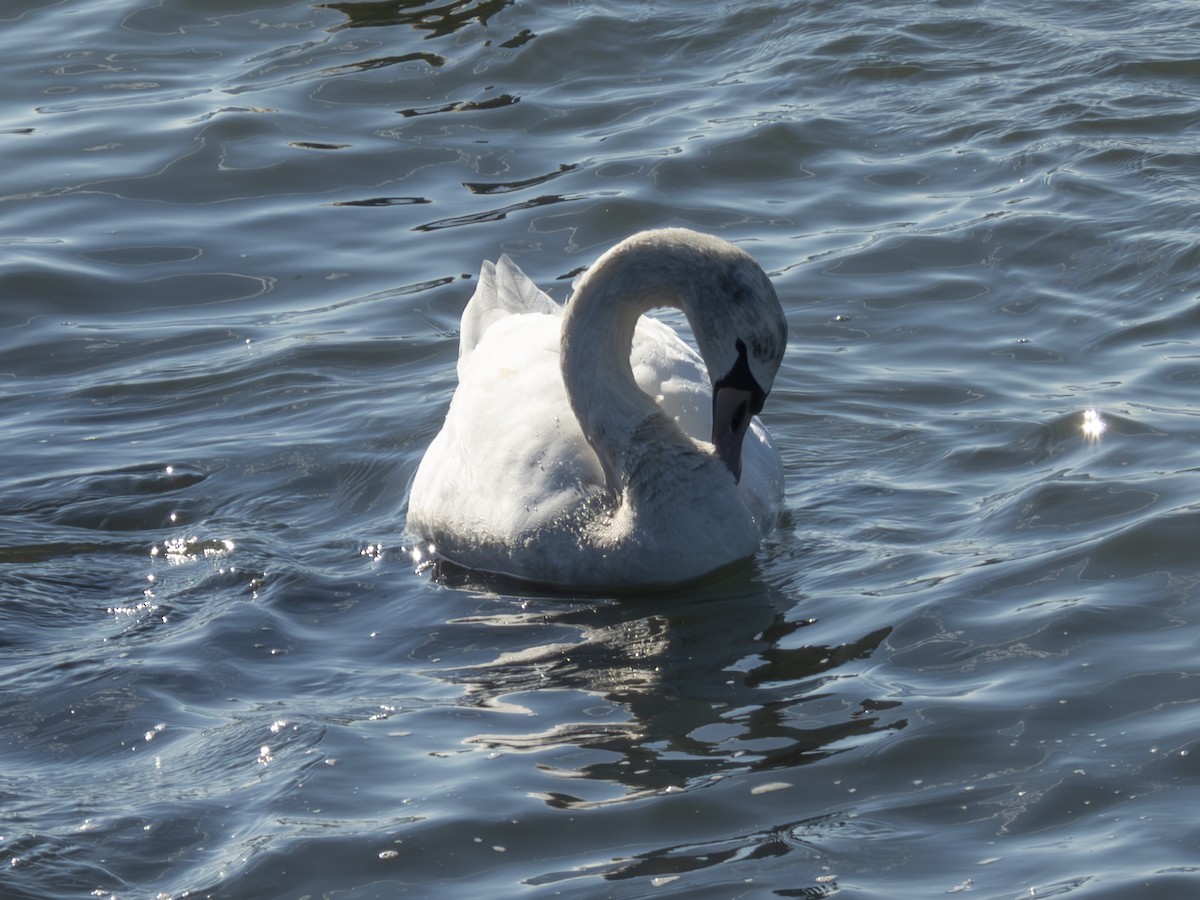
<point x="590" y="446"/>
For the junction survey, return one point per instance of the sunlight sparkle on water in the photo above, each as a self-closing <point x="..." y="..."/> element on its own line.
<point x="423" y="557"/>
<point x="1093" y="426"/>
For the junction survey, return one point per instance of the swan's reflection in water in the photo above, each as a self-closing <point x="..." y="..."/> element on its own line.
<point x="697" y="685"/>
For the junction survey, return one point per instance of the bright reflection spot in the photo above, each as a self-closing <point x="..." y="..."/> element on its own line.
<point x="423" y="557"/>
<point x="188" y="549"/>
<point x="770" y="787"/>
<point x="1093" y="426"/>
<point x="138" y="609"/>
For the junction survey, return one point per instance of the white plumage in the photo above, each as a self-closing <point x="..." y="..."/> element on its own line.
<point x="579" y="448"/>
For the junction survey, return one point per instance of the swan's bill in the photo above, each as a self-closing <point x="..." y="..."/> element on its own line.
<point x="736" y="398"/>
<point x="731" y="418"/>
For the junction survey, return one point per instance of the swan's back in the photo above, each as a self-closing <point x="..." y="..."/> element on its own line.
<point x="666" y="368"/>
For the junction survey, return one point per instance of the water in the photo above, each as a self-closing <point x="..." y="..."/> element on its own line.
<point x="235" y="240"/>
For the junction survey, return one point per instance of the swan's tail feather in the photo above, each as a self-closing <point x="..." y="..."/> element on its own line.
<point x="518" y="293"/>
<point x="503" y="290"/>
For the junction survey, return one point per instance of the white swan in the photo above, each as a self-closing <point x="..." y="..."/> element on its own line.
<point x="555" y="465"/>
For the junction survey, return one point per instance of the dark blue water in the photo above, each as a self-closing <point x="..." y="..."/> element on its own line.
<point x="235" y="240"/>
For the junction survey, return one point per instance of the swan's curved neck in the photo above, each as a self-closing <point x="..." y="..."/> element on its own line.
<point x="617" y="418"/>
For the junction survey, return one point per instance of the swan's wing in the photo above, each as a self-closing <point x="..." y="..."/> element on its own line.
<point x="673" y="374"/>
<point x="503" y="290"/>
<point x="762" y="482"/>
<point x="511" y="461"/>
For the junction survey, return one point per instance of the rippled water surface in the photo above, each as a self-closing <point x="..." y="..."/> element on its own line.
<point x="235" y="240"/>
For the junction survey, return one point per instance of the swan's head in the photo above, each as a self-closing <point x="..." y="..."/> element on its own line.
<point x="742" y="333"/>
<point x="729" y="302"/>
